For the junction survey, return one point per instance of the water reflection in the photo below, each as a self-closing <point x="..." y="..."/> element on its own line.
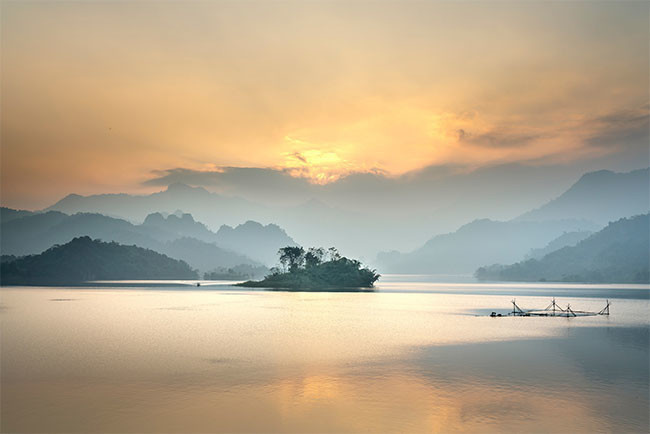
<point x="220" y="361"/>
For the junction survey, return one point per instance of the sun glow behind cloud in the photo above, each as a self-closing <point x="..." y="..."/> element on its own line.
<point x="317" y="165"/>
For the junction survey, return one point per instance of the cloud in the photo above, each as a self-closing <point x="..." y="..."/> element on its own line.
<point x="277" y="88"/>
<point x="616" y="132"/>
<point x="281" y="186"/>
<point x="224" y="177"/>
<point x="298" y="156"/>
<point x="181" y="175"/>
<point x="498" y="139"/>
<point x="265" y="185"/>
<point x="621" y="129"/>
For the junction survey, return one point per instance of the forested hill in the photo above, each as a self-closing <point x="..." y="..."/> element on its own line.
<point x="620" y="253"/>
<point x="84" y="259"/>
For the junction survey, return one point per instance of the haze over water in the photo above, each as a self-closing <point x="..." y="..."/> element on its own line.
<point x="412" y="356"/>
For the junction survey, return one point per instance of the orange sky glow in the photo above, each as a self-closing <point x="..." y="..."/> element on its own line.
<point x="96" y="96"/>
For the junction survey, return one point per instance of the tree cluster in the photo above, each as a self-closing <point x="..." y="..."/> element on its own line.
<point x="294" y="258"/>
<point x="316" y="268"/>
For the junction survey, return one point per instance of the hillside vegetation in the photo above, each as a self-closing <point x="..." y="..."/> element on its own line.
<point x="565" y="240"/>
<point x="84" y="259"/>
<point x="620" y="253"/>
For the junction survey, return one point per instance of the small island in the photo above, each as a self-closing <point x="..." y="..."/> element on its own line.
<point x="315" y="269"/>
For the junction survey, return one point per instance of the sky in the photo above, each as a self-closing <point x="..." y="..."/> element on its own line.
<point x="106" y="97"/>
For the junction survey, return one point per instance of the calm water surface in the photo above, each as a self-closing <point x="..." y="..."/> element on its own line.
<point x="413" y="356"/>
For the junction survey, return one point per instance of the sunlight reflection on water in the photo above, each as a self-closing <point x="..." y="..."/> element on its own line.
<point x="412" y="356"/>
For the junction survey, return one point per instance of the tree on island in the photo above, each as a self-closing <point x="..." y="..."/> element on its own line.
<point x="292" y="257"/>
<point x="314" y="257"/>
<point x="316" y="268"/>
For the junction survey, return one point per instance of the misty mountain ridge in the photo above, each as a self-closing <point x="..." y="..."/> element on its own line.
<point x="351" y="217"/>
<point x="178" y="226"/>
<point x="36" y="233"/>
<point x="585" y="206"/>
<point x="601" y="197"/>
<point x="351" y="211"/>
<point x="567" y="239"/>
<point x="7" y="214"/>
<point x="618" y="253"/>
<point x="476" y="242"/>
<point x="204" y="256"/>
<point x="257" y="241"/>
<point x="173" y="235"/>
<point x="197" y="200"/>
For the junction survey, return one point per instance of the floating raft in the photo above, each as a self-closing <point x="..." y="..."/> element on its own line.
<point x="552" y="309"/>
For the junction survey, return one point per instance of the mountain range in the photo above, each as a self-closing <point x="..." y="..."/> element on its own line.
<point x="179" y="237"/>
<point x="594" y="200"/>
<point x="406" y="211"/>
<point x="618" y="253"/>
<point x="476" y="243"/>
<point x="154" y="221"/>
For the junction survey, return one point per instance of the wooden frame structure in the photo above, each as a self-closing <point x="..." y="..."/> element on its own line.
<point x="554" y="309"/>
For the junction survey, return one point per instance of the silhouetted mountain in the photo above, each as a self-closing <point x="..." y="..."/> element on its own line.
<point x="477" y="243"/>
<point x="601" y="197"/>
<point x="7" y="214"/>
<point x="84" y="259"/>
<point x="255" y="240"/>
<point x="36" y="233"/>
<point x="619" y="253"/>
<point x="564" y="240"/>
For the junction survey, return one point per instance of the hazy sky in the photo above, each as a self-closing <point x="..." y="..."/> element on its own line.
<point x="103" y="97"/>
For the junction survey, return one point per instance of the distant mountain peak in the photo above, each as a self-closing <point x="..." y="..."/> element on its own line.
<point x="185" y="217"/>
<point x="69" y="199"/>
<point x="597" y="173"/>
<point x="251" y="224"/>
<point x="179" y="187"/>
<point x="600" y="196"/>
<point x="154" y="219"/>
<point x="257" y="241"/>
<point x="182" y="225"/>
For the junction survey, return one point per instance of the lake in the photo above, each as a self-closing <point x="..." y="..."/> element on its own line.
<point x="415" y="355"/>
